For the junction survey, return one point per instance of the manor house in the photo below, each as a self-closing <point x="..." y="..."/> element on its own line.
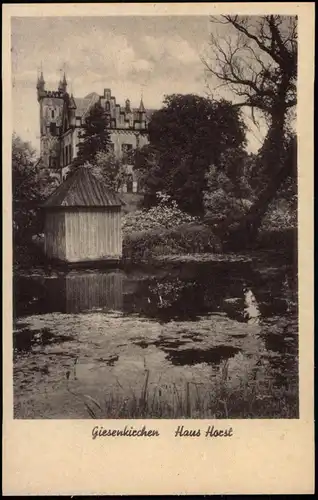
<point x="61" y="119"/>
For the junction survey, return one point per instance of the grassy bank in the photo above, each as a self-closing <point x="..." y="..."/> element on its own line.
<point x="250" y="399"/>
<point x="186" y="242"/>
<point x="196" y="242"/>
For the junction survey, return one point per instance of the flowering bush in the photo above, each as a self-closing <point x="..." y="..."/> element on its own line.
<point x="280" y="215"/>
<point x="165" y="215"/>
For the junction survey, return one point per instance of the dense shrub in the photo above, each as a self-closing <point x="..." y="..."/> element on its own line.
<point x="190" y="238"/>
<point x="281" y="215"/>
<point x="166" y="215"/>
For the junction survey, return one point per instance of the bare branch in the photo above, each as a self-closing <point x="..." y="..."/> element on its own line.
<point x="258" y="61"/>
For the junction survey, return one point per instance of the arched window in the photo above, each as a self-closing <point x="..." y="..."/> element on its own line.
<point x="52" y="113"/>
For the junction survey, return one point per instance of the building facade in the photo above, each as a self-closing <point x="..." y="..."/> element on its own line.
<point x="62" y="116"/>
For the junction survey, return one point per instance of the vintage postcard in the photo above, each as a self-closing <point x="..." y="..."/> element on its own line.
<point x="158" y="284"/>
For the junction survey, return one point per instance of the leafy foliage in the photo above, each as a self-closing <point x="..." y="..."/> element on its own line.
<point x="108" y="168"/>
<point x="186" y="136"/>
<point x="281" y="215"/>
<point x="31" y="184"/>
<point x="165" y="215"/>
<point x="94" y="135"/>
<point x="228" y="187"/>
<point x="94" y="149"/>
<point x="188" y="238"/>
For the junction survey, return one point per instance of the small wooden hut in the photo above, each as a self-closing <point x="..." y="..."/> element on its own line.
<point x="83" y="220"/>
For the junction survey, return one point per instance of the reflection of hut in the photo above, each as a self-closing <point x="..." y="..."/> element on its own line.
<point x="79" y="292"/>
<point x="83" y="220"/>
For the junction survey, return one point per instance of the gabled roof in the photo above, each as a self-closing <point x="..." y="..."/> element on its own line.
<point x="82" y="105"/>
<point x="92" y="95"/>
<point x="83" y="189"/>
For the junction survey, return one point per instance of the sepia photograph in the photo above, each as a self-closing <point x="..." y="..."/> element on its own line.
<point x="154" y="215"/>
<point x="158" y="303"/>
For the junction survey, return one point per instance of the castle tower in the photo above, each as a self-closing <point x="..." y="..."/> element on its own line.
<point x="51" y="118"/>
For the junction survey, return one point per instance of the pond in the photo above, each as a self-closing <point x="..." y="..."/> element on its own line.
<point x="190" y="340"/>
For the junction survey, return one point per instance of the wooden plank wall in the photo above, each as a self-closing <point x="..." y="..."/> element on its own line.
<point x="93" y="234"/>
<point x="54" y="233"/>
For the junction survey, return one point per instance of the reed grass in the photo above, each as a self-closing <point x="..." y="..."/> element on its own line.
<point x="250" y="399"/>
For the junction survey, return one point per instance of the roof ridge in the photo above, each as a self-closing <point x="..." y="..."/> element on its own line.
<point x="92" y="100"/>
<point x="83" y="188"/>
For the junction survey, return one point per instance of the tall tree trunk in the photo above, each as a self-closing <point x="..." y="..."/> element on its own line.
<point x="242" y="233"/>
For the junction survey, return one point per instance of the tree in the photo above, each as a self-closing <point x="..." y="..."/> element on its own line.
<point x="258" y="63"/>
<point x="31" y="184"/>
<point x="94" y="135"/>
<point x="146" y="165"/>
<point x="109" y="169"/>
<point x="94" y="150"/>
<point x="186" y="136"/>
<point x="229" y="191"/>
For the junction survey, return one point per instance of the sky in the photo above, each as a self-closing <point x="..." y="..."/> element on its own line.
<point x="133" y="56"/>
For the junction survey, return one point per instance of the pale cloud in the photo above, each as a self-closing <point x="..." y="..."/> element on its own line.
<point x="153" y="56"/>
<point x="172" y="49"/>
<point x="142" y="65"/>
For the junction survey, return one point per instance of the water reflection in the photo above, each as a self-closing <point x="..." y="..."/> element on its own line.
<point x="185" y="294"/>
<point x="71" y="293"/>
<point x="25" y="339"/>
<point x="251" y="309"/>
<point x="212" y="356"/>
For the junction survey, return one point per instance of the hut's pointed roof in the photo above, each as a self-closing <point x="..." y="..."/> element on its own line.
<point x="83" y="189"/>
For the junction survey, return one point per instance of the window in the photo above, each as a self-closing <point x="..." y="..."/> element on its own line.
<point x="130" y="184"/>
<point x="107" y="106"/>
<point x="52" y="162"/>
<point x="53" y="128"/>
<point x="66" y="155"/>
<point x="52" y="113"/>
<point x="70" y="152"/>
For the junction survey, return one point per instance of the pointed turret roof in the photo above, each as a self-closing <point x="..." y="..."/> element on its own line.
<point x="141" y="108"/>
<point x="41" y="81"/>
<point x="72" y="104"/>
<point x="63" y="83"/>
<point x="83" y="189"/>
